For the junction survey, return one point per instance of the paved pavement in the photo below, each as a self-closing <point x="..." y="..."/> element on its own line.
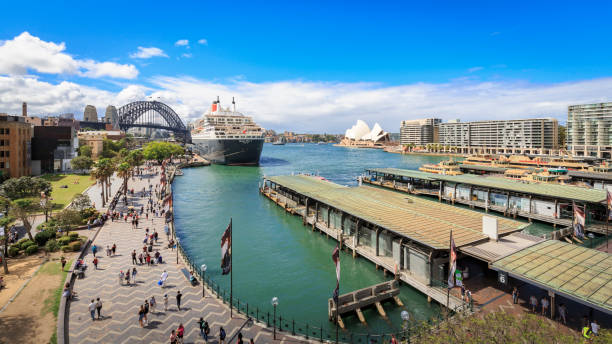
<point x="119" y="322"/>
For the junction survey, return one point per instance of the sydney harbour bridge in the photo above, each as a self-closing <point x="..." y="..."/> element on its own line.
<point x="152" y="114"/>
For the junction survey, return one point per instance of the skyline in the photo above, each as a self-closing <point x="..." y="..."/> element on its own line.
<point x="379" y="63"/>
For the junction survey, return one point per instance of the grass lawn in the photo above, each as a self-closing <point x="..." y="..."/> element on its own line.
<point x="62" y="196"/>
<point x="53" y="301"/>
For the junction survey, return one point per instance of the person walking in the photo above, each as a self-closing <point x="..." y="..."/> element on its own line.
<point x="206" y="330"/>
<point x="201" y="325"/>
<point x="221" y="335"/>
<point x="134" y="261"/>
<point x="94" y="250"/>
<point x="173" y="337"/>
<point x="140" y="259"/>
<point x="178" y="299"/>
<point x="545" y="304"/>
<point x="240" y="341"/>
<point x="152" y="304"/>
<point x="595" y="327"/>
<point x="141" y="315"/>
<point x="108" y="251"/>
<point x="95" y="263"/>
<point x="533" y="301"/>
<point x="63" y="261"/>
<point x="121" y="276"/>
<point x="165" y="302"/>
<point x="515" y="295"/>
<point x="563" y="313"/>
<point x="164" y="277"/>
<point x="92" y="309"/>
<point x="134" y="272"/>
<point x="98" y="306"/>
<point x="180" y="332"/>
<point x="114" y="249"/>
<point x="128" y="275"/>
<point x="146" y="312"/>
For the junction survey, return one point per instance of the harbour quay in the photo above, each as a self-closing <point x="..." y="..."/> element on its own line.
<point x="548" y="203"/>
<point x="406" y="236"/>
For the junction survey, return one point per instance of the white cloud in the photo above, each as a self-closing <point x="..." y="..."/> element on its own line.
<point x="308" y="106"/>
<point x="475" y="69"/>
<point x="148" y="52"/>
<point x="203" y="41"/>
<point x="26" y="53"/>
<point x="182" y="42"/>
<point x="187" y="55"/>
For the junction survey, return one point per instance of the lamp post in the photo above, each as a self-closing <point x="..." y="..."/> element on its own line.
<point x="203" y="268"/>
<point x="176" y="245"/>
<point x="591" y="236"/>
<point x="274" y="303"/>
<point x="405" y="318"/>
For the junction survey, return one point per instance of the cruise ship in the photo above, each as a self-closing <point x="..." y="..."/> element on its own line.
<point x="224" y="136"/>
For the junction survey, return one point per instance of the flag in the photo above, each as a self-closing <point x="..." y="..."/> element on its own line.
<point x="609" y="202"/>
<point x="336" y="259"/>
<point x="578" y="221"/>
<point x="453" y="262"/>
<point x="226" y="250"/>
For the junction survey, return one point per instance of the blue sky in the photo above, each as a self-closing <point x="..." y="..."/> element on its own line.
<point x="331" y="53"/>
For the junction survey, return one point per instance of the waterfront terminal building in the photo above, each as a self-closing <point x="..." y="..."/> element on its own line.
<point x="589" y="130"/>
<point x="522" y="136"/>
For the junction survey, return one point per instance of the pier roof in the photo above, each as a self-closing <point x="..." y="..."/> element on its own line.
<point x="424" y="221"/>
<point x="483" y="168"/>
<point x="576" y="272"/>
<point x="590" y="175"/>
<point x="566" y="192"/>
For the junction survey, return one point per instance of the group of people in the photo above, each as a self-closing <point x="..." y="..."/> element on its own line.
<point x="149" y="306"/>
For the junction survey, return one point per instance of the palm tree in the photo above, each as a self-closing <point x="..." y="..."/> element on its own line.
<point x="102" y="172"/>
<point x="124" y="171"/>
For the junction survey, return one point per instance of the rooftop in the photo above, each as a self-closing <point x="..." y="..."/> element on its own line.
<point x="424" y="221"/>
<point x="579" y="273"/>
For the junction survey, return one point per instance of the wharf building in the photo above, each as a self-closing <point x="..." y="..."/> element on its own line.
<point x="523" y="136"/>
<point x="419" y="131"/>
<point x="589" y="130"/>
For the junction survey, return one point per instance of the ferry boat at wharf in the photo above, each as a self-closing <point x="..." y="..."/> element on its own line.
<point x="224" y="136"/>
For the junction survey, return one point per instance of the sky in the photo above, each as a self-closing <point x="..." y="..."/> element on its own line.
<point x="309" y="66"/>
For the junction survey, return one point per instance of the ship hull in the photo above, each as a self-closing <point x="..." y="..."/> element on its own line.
<point x="229" y="151"/>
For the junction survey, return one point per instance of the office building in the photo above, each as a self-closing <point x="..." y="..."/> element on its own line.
<point x="522" y="136"/>
<point x="15" y="140"/>
<point x="589" y="130"/>
<point x="52" y="148"/>
<point x="95" y="139"/>
<point x="419" y="131"/>
<point x="90" y="114"/>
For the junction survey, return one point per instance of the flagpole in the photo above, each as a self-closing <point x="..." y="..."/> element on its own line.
<point x="337" y="304"/>
<point x="231" y="266"/>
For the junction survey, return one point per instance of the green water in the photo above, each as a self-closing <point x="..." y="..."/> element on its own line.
<point x="274" y="254"/>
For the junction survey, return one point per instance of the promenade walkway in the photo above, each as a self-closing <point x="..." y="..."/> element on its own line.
<point x="119" y="323"/>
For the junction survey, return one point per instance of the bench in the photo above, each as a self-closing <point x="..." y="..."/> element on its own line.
<point x="186" y="273"/>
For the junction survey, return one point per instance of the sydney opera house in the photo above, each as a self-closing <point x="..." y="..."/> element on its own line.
<point x="360" y="135"/>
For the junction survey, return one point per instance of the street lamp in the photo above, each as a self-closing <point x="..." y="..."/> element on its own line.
<point x="176" y="245"/>
<point x="591" y="236"/>
<point x="275" y="303"/>
<point x="203" y="268"/>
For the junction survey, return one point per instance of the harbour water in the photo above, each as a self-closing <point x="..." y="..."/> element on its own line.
<point x="273" y="253"/>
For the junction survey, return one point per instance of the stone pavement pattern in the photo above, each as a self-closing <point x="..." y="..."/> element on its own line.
<point x="119" y="323"/>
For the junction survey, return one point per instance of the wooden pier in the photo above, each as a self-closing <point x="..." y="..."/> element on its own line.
<point x="366" y="297"/>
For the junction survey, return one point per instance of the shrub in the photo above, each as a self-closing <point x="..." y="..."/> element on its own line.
<point x="25" y="244"/>
<point x="52" y="246"/>
<point x="66" y="248"/>
<point x="74" y="235"/>
<point x="88" y="213"/>
<point x="31" y="249"/>
<point x="83" y="238"/>
<point x="42" y="237"/>
<point x="21" y="241"/>
<point x="75" y="246"/>
<point x="13" y="251"/>
<point x="64" y="240"/>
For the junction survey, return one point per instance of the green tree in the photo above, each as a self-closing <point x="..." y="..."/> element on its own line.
<point x="4" y="223"/>
<point x="135" y="158"/>
<point x="124" y="170"/>
<point x="25" y="186"/>
<point x="24" y="210"/>
<point x="160" y="151"/>
<point x="562" y="136"/>
<point x="81" y="202"/>
<point x="81" y="163"/>
<point x="85" y="150"/>
<point x="102" y="171"/>
<point x="68" y="217"/>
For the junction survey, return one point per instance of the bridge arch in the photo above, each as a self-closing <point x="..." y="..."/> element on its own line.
<point x="143" y="114"/>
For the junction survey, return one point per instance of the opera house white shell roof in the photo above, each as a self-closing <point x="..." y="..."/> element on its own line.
<point x="361" y="131"/>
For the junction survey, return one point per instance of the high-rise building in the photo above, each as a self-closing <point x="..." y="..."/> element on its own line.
<point x="90" y="114"/>
<point x="15" y="146"/>
<point x="522" y="136"/>
<point x="419" y="131"/>
<point x="589" y="130"/>
<point x="110" y="116"/>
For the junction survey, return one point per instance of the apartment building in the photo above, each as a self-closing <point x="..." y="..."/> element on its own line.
<point x="15" y="141"/>
<point x="419" y="131"/>
<point x="589" y="130"/>
<point x="523" y="136"/>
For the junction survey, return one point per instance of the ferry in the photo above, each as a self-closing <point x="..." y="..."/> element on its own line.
<point x="224" y="136"/>
<point x="546" y="176"/>
<point x="448" y="167"/>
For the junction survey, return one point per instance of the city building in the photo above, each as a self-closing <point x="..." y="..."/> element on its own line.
<point x="15" y="141"/>
<point x="52" y="148"/>
<point x="589" y="130"/>
<point x="522" y="136"/>
<point x="419" y="131"/>
<point x="24" y="109"/>
<point x="95" y="139"/>
<point x="90" y="114"/>
<point x="34" y="121"/>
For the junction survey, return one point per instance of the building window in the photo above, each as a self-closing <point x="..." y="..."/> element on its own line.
<point x="1" y="164"/>
<point x="6" y="131"/>
<point x="6" y="154"/>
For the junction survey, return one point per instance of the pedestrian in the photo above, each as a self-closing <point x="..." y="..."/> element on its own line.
<point x="63" y="261"/>
<point x="121" y="276"/>
<point x="146" y="312"/>
<point x="152" y="304"/>
<point x="533" y="301"/>
<point x="173" y="337"/>
<point x="515" y="295"/>
<point x="108" y="250"/>
<point x="178" y="299"/>
<point x="92" y="309"/>
<point x="253" y="342"/>
<point x="148" y="259"/>
<point x="114" y="249"/>
<point x="221" y="335"/>
<point x="393" y="340"/>
<point x="140" y="259"/>
<point x="545" y="304"/>
<point x="595" y="327"/>
<point x="134" y="262"/>
<point x="201" y="325"/>
<point x="134" y="275"/>
<point x="462" y="292"/>
<point x="98" y="306"/>
<point x="563" y="313"/>
<point x="241" y="342"/>
<point x="141" y="315"/>
<point x="206" y="330"/>
<point x="95" y="263"/>
<point x="128" y="275"/>
<point x="165" y="302"/>
<point x="164" y="277"/>
<point x="155" y="235"/>
<point x="94" y="250"/>
<point x="180" y="332"/>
